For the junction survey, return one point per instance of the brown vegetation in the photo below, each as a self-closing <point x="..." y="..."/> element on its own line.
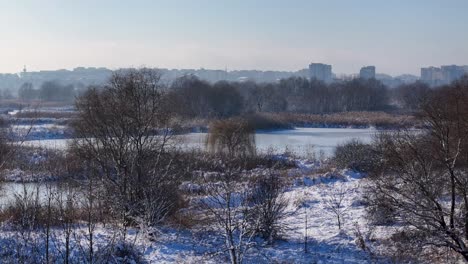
<point x="285" y="120"/>
<point x="344" y="119"/>
<point x="234" y="137"/>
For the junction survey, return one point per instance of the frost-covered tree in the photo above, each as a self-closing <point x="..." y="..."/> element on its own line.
<point x="124" y="128"/>
<point x="424" y="176"/>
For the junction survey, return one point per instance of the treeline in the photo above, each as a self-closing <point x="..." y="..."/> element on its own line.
<point x="48" y="91"/>
<point x="197" y="98"/>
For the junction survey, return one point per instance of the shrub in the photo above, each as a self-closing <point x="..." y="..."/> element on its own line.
<point x="379" y="210"/>
<point x="356" y="156"/>
<point x="269" y="205"/>
<point x="120" y="253"/>
<point x="234" y="137"/>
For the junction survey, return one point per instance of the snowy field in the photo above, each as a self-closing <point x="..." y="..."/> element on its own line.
<point x="308" y="197"/>
<point x="40" y="131"/>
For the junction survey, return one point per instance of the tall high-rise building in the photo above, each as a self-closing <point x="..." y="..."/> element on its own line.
<point x="320" y="71"/>
<point x="452" y="72"/>
<point x="431" y="75"/>
<point x="367" y="72"/>
<point x="444" y="75"/>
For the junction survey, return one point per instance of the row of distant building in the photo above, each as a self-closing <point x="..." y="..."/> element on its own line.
<point x="323" y="72"/>
<point x="433" y="76"/>
<point x="444" y="75"/>
<point x="83" y="77"/>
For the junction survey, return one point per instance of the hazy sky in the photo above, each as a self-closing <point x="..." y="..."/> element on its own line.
<point x="398" y="36"/>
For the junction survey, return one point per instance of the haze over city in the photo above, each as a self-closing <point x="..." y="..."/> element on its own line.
<point x="397" y="36"/>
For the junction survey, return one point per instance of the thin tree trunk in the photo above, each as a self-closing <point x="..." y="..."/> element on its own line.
<point x="305" y="231"/>
<point x="452" y="206"/>
<point x="230" y="244"/>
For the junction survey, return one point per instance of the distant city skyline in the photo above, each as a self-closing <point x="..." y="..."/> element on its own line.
<point x="366" y="72"/>
<point x="397" y="37"/>
<point x="82" y="77"/>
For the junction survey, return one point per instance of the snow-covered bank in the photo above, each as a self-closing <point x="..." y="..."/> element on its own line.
<point x="307" y="198"/>
<point x="44" y="131"/>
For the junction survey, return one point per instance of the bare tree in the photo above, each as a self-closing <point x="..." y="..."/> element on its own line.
<point x="66" y="200"/>
<point x="269" y="205"/>
<point x="197" y="98"/>
<point x="412" y="96"/>
<point x="425" y="174"/>
<point x="334" y="203"/>
<point x="124" y="128"/>
<point x="227" y="205"/>
<point x="91" y="189"/>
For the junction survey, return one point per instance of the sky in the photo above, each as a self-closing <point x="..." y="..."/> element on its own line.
<point x="397" y="36"/>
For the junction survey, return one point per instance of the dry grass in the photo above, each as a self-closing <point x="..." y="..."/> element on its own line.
<point x="270" y="121"/>
<point x="345" y="119"/>
<point x="235" y="137"/>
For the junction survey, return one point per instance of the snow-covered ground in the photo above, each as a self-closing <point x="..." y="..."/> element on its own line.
<point x="41" y="131"/>
<point x="309" y="196"/>
<point x="50" y="123"/>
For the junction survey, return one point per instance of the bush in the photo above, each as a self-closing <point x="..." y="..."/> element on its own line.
<point x="379" y="210"/>
<point x="234" y="137"/>
<point x="356" y="156"/>
<point x="269" y="206"/>
<point x="120" y="253"/>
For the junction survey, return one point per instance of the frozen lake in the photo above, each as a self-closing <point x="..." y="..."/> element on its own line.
<point x="301" y="141"/>
<point x="10" y="190"/>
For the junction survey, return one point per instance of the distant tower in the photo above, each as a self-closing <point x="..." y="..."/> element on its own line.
<point x="24" y="72"/>
<point x="321" y="72"/>
<point x="367" y="72"/>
